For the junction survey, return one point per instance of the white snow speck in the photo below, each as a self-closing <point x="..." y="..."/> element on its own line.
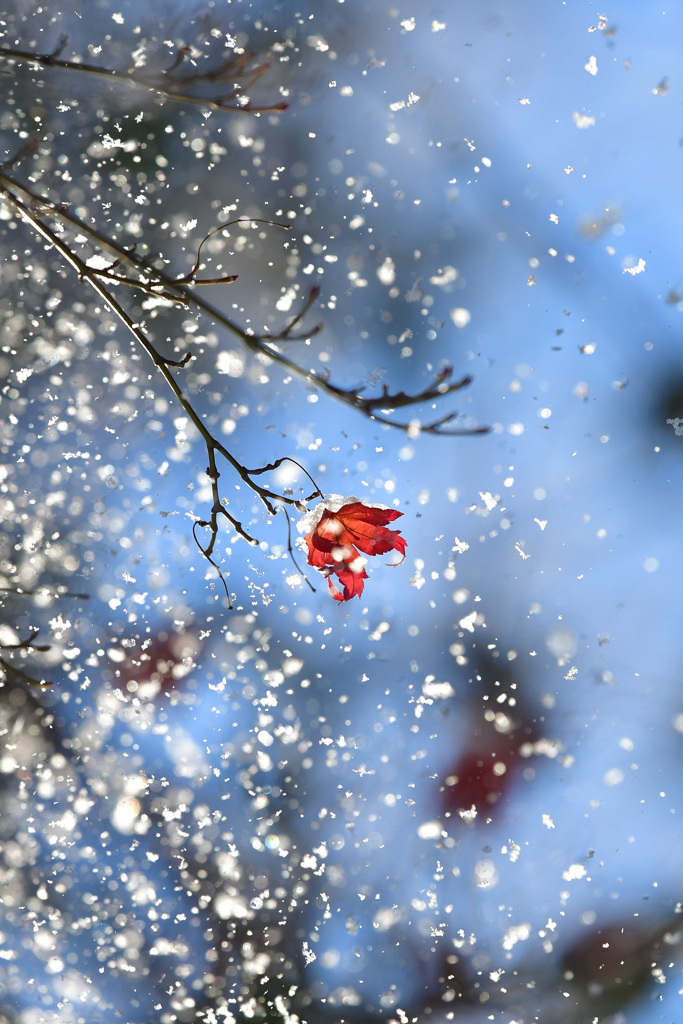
<point x="517" y="933"/>
<point x="460" y="317"/>
<point x="468" y="622"/>
<point x="513" y="850"/>
<point x="429" y="830"/>
<point x="613" y="777"/>
<point x="437" y="691"/>
<point x="309" y="955"/>
<point x="469" y="817"/>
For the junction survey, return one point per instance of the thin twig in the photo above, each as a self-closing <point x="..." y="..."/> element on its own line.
<point x="191" y="278"/>
<point x="291" y="551"/>
<point x="276" y="465"/>
<point x="44" y="591"/>
<point x="9" y="667"/>
<point x="26" y="645"/>
<point x="206" y="552"/>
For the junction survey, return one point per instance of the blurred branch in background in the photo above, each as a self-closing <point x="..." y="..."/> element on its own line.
<point x="173" y="83"/>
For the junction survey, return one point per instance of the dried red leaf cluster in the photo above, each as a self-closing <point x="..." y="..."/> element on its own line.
<point x="338" y="538"/>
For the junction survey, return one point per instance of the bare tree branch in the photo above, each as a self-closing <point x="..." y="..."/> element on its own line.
<point x="159" y="283"/>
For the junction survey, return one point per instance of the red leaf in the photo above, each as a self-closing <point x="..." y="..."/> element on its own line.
<point x="158" y="665"/>
<point x="352" y="584"/>
<point x="335" y="543"/>
<point x="480" y="779"/>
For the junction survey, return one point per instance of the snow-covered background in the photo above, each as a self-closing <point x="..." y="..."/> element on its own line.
<point x="489" y="185"/>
